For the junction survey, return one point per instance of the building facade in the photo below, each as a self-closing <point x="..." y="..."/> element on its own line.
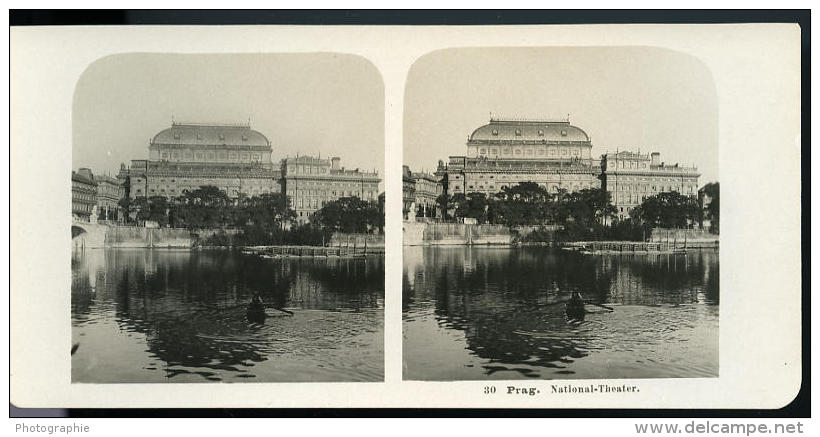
<point x="408" y="193"/>
<point x="186" y="156"/>
<point x="505" y="152"/>
<point x="632" y="177"/>
<point x="83" y="194"/>
<point x="109" y="193"/>
<point x="311" y="182"/>
<point x="427" y="189"/>
<point x="558" y="156"/>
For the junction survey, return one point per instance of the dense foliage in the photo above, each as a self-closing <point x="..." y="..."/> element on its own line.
<point x="667" y="210"/>
<point x="710" y="202"/>
<point x="530" y="204"/>
<point x="587" y="214"/>
<point x="260" y="220"/>
<point x="351" y="214"/>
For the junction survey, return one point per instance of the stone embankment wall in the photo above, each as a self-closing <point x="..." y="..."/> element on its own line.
<point x="435" y="234"/>
<point x="95" y="235"/>
<point x="88" y="235"/>
<point x="413" y="233"/>
<point x="524" y="231"/>
<point x="661" y="235"/>
<point x="488" y="234"/>
<point x="126" y="236"/>
<point x="357" y="240"/>
<point x="201" y="236"/>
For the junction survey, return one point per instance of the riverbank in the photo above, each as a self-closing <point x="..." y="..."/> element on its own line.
<point x="461" y="234"/>
<point x="96" y="235"/>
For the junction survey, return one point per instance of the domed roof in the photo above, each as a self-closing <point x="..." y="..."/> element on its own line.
<point x="211" y="134"/>
<point x="528" y="130"/>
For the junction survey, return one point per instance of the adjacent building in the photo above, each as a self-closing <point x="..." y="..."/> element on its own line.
<point x="109" y="193"/>
<point x="553" y="153"/>
<point x="186" y="156"/>
<point x="311" y="182"/>
<point x="632" y="177"/>
<point x="83" y="194"/>
<point x="408" y="193"/>
<point x="426" y="191"/>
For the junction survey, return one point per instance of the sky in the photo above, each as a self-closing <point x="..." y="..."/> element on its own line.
<point x="624" y="98"/>
<point x="318" y="104"/>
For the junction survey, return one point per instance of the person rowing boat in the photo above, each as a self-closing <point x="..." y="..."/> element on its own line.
<point x="575" y="306"/>
<point x="256" y="309"/>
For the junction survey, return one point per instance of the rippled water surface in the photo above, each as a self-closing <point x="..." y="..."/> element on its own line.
<point x="158" y="315"/>
<point x="499" y="313"/>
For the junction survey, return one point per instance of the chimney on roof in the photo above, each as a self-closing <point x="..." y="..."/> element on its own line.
<point x="656" y="159"/>
<point x="334" y="162"/>
<point x="86" y="172"/>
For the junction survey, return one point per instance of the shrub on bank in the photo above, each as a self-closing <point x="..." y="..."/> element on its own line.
<point x="540" y="235"/>
<point x="258" y="236"/>
<point x="219" y="239"/>
<point x="626" y="230"/>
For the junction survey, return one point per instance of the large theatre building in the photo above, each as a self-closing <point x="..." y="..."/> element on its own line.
<point x="186" y="156"/>
<point x="505" y="152"/>
<point x="558" y="155"/>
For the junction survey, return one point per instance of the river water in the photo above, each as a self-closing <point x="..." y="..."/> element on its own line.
<point x="163" y="315"/>
<point x="472" y="313"/>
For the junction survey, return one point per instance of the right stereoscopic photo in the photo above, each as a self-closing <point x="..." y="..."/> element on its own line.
<point x="561" y="215"/>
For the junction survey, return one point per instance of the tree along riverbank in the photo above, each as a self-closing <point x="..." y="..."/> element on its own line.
<point x="585" y="215"/>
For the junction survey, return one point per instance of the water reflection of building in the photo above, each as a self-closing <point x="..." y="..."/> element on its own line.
<point x="232" y="157"/>
<point x="190" y="306"/>
<point x="96" y="267"/>
<point x="509" y="302"/>
<point x="495" y="298"/>
<point x="413" y="263"/>
<point x="467" y="264"/>
<point x="659" y="279"/>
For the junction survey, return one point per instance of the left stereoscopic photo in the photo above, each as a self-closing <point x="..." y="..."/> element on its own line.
<point x="227" y="219"/>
